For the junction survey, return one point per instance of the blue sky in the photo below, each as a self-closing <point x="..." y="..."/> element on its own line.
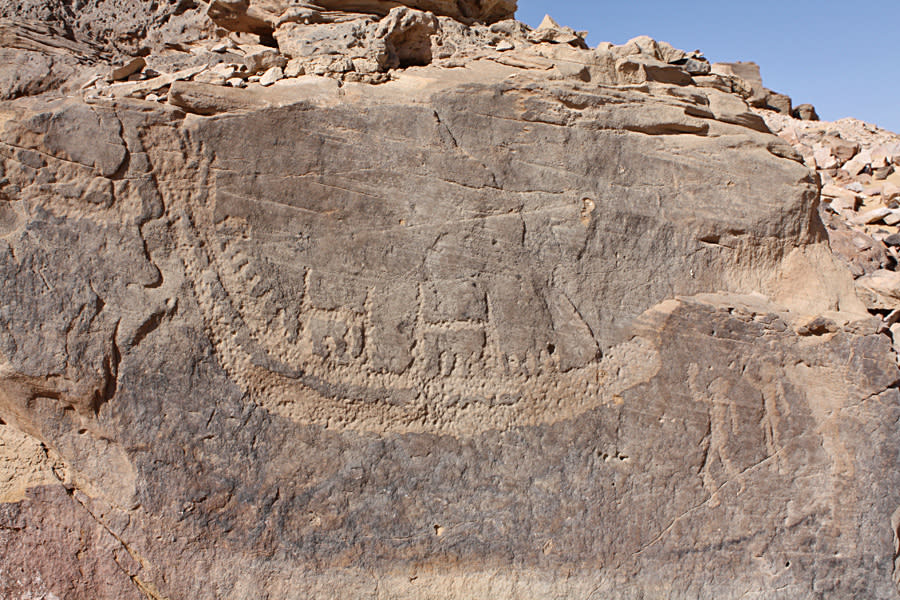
<point x="843" y="57"/>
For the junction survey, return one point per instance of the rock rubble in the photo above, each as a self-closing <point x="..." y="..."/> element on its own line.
<point x="856" y="164"/>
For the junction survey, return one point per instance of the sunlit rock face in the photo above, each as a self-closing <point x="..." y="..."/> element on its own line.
<point x="505" y="317"/>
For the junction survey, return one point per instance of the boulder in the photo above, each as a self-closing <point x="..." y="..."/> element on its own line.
<point x="855" y="166"/>
<point x="872" y="216"/>
<point x="748" y="73"/>
<point x="551" y="31"/>
<point x="825" y="159"/>
<point x="639" y="68"/>
<point x="131" y="67"/>
<point x="271" y="76"/>
<point x="805" y="112"/>
<point x="881" y="289"/>
<point x="843" y="149"/>
<point x="889" y="192"/>
<point x="860" y="252"/>
<point x="882" y="173"/>
<point x="778" y="102"/>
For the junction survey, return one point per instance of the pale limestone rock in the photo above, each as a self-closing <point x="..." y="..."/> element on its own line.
<point x="889" y="192"/>
<point x="124" y="71"/>
<point x="883" y="287"/>
<point x="259" y="59"/>
<point x="271" y="76"/>
<point x="873" y="216"/>
<point x="825" y="159"/>
<point x="854" y="166"/>
<point x="295" y="68"/>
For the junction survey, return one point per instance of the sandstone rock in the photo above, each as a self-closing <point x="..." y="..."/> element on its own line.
<point x="264" y="16"/>
<point x="725" y="83"/>
<point x="860" y="252"/>
<point x="883" y="154"/>
<point x="890" y="192"/>
<point x="855" y="166"/>
<point x="551" y="31"/>
<point x="778" y="102"/>
<point x="638" y="69"/>
<point x="841" y="197"/>
<point x="732" y="109"/>
<point x="825" y="159"/>
<point x="130" y="68"/>
<point x="669" y="54"/>
<point x="892" y="240"/>
<point x="294" y="68"/>
<point x="748" y="73"/>
<point x="219" y="74"/>
<point x="872" y="216"/>
<point x="694" y="66"/>
<point x="400" y="39"/>
<point x="206" y="99"/>
<point x="882" y="172"/>
<point x="884" y="288"/>
<point x="407" y="36"/>
<point x="513" y="329"/>
<point x="140" y="89"/>
<point x="225" y="45"/>
<point x="35" y="58"/>
<point x="805" y="112"/>
<point x="893" y="218"/>
<point x="259" y="59"/>
<point x="844" y="150"/>
<point x="271" y="76"/>
<point x="123" y="29"/>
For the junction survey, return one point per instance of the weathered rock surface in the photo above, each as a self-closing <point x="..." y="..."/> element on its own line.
<point x="264" y="16"/>
<point x="521" y="322"/>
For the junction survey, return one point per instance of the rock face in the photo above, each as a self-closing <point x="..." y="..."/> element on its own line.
<point x="264" y="16"/>
<point x="745" y="79"/>
<point x="525" y="319"/>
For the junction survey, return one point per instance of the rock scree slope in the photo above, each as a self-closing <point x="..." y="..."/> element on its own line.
<point x="410" y="300"/>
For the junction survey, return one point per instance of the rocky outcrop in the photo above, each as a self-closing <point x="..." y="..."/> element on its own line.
<point x="744" y="79"/>
<point x="526" y="318"/>
<point x="265" y="16"/>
